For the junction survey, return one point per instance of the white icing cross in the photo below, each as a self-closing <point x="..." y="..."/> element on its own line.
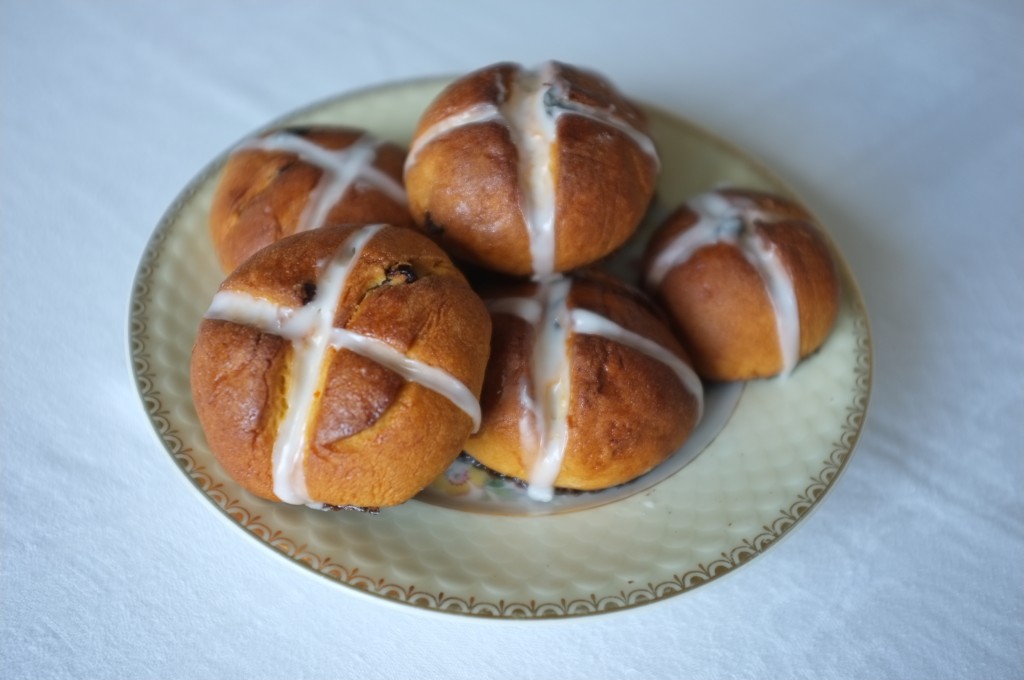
<point x="311" y="330"/>
<point x="341" y="169"/>
<point x="543" y="426"/>
<point x="530" y="111"/>
<point x="721" y="221"/>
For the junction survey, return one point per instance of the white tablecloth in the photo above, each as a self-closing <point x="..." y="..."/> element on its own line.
<point x="902" y="123"/>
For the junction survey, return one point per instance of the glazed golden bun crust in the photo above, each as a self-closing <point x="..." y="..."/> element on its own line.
<point x="375" y="439"/>
<point x="464" y="186"/>
<point x="627" y="411"/>
<point x="719" y="304"/>
<point x="261" y="195"/>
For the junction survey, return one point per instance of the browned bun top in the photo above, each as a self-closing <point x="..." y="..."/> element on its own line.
<point x="720" y="302"/>
<point x="471" y="172"/>
<point x="492" y="84"/>
<point x="487" y="85"/>
<point x="374" y="439"/>
<point x="262" y="193"/>
<point x="627" y="411"/>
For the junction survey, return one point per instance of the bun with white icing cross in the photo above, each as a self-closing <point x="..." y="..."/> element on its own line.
<point x="748" y="279"/>
<point x="531" y="172"/>
<point x="341" y="367"/>
<point x="586" y="387"/>
<point x="301" y="178"/>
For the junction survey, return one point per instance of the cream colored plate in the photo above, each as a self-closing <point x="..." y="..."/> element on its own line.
<point x="773" y="461"/>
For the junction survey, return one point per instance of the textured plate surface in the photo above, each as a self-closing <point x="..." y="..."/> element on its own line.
<point x="779" y="453"/>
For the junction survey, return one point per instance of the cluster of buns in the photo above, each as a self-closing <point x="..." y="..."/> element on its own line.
<point x="346" y="361"/>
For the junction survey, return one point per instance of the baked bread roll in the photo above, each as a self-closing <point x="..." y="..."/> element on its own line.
<point x="530" y="172"/>
<point x="341" y="367"/>
<point x="748" y="279"/>
<point x="301" y="178"/>
<point x="586" y="387"/>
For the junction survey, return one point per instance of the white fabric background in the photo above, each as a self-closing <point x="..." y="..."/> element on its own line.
<point x="902" y="123"/>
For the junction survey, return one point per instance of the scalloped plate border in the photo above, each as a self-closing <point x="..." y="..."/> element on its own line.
<point x="234" y="509"/>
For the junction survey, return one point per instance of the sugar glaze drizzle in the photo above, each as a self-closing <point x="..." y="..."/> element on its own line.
<point x="721" y="220"/>
<point x="340" y="170"/>
<point x="530" y="109"/>
<point x="543" y="424"/>
<point x="312" y="333"/>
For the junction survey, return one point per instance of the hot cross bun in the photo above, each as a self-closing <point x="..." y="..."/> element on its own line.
<point x="341" y="367"/>
<point x="586" y="388"/>
<point x="531" y="172"/>
<point x="297" y="179"/>
<point x="748" y="279"/>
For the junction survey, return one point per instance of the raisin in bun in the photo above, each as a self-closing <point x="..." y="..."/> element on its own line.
<point x="748" y="279"/>
<point x="341" y="367"/>
<point x="586" y="387"/>
<point x="530" y="172"/>
<point x="297" y="179"/>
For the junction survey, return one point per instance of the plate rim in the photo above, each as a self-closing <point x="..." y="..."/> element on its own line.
<point x="231" y="509"/>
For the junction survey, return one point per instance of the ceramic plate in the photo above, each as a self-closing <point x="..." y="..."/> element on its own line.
<point x="468" y="545"/>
